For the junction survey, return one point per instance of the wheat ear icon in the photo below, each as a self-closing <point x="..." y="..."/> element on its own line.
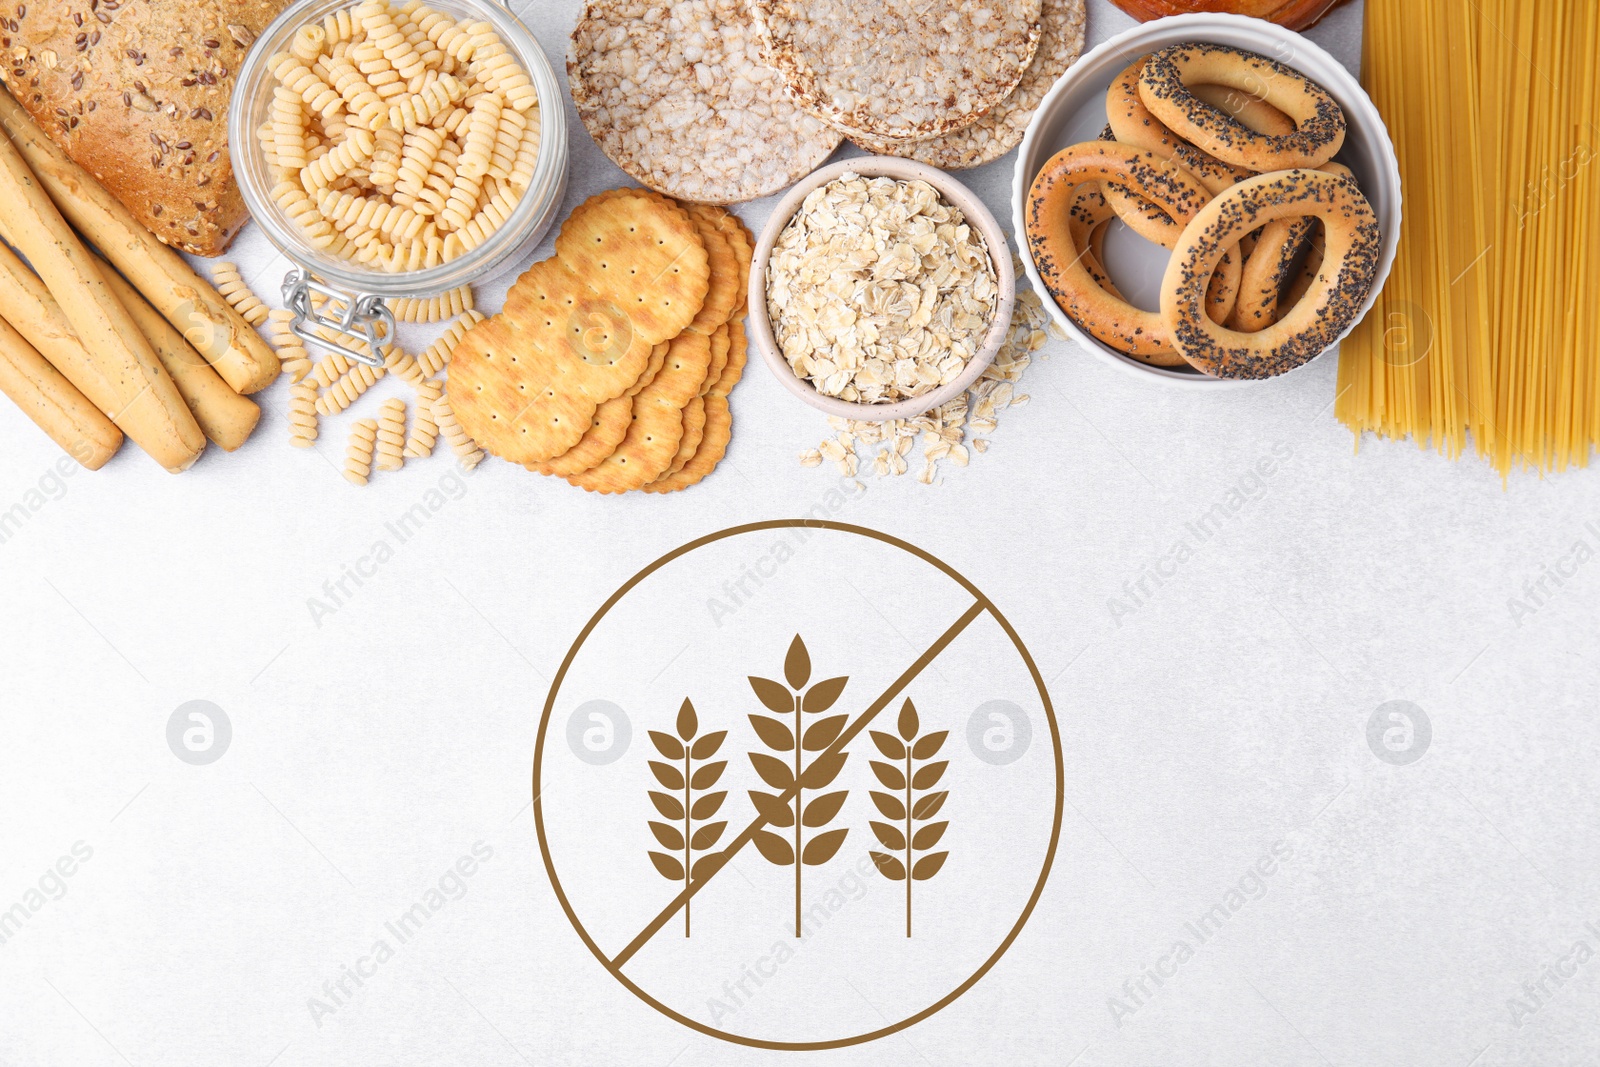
<point x="786" y="731"/>
<point x="681" y="776"/>
<point x="904" y="807"/>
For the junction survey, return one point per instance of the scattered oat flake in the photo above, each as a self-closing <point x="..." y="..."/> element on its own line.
<point x="947" y="431"/>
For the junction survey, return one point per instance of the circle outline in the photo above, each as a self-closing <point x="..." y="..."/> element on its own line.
<point x="1055" y="742"/>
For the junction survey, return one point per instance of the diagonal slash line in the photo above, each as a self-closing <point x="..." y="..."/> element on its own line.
<point x="748" y="834"/>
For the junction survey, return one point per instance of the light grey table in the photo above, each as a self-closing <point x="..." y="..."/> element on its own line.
<point x="1212" y="708"/>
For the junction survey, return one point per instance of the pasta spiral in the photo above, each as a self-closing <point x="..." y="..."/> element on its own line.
<point x="400" y="363"/>
<point x="308" y="42"/>
<point x="424" y="431"/>
<point x="434" y="358"/>
<point x="329" y="368"/>
<point x="433" y="308"/>
<point x="238" y="294"/>
<point x="360" y="99"/>
<point x="345" y="211"/>
<point x="352" y="151"/>
<point x="291" y="352"/>
<point x="347" y="388"/>
<point x="300" y="209"/>
<point x="466" y="449"/>
<point x="294" y="75"/>
<point x="302" y="414"/>
<point x="386" y="36"/>
<point x="391" y="440"/>
<point x="499" y="70"/>
<point x="358" y="453"/>
<point x="288" y="128"/>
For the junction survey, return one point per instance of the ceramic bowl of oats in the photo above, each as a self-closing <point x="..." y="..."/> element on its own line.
<point x="880" y="289"/>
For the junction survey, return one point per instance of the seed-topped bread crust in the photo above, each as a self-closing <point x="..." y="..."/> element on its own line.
<point x="136" y="92"/>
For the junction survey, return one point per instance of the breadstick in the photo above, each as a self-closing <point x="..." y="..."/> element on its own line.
<point x="37" y="317"/>
<point x="224" y="416"/>
<point x="101" y="322"/>
<point x="53" y="403"/>
<point x="204" y="318"/>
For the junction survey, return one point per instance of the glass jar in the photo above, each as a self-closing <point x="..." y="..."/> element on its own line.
<point x="358" y="291"/>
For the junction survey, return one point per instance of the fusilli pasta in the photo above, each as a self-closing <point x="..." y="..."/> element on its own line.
<point x="358" y="454"/>
<point x="391" y="441"/>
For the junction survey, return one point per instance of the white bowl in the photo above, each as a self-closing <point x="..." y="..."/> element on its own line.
<point x="954" y="193"/>
<point x="1074" y="111"/>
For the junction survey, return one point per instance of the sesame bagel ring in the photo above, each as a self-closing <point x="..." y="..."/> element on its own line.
<point x="1330" y="305"/>
<point x="1089" y="218"/>
<point x="1164" y="86"/>
<point x="1058" y="257"/>
<point x="1270" y="265"/>
<point x="1132" y="123"/>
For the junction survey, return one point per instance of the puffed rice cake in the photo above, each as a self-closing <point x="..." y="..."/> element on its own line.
<point x="899" y="68"/>
<point x="1002" y="126"/>
<point x="677" y="94"/>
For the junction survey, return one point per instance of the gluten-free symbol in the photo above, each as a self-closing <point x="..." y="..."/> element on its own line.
<point x="800" y="857"/>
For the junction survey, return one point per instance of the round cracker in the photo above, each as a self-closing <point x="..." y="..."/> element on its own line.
<point x="676" y="96"/>
<point x="1002" y="126"/>
<point x="897" y="68"/>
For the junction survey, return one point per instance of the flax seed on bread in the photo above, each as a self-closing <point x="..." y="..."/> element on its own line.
<point x="136" y="92"/>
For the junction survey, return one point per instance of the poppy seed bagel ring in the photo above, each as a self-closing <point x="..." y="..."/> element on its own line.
<point x="1334" y="299"/>
<point x="1319" y="121"/>
<point x="1048" y="219"/>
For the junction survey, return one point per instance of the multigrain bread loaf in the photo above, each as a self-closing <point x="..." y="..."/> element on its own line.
<point x="136" y="92"/>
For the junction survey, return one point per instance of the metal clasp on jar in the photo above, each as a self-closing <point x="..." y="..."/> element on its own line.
<point x="357" y="317"/>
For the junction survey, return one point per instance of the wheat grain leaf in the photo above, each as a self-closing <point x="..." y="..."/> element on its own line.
<point x="774" y="734"/>
<point x="772" y="809"/>
<point x="928" y="806"/>
<point x="707" y="805"/>
<point x="927" y="746"/>
<point x="707" y="835"/>
<point x="706" y="866"/>
<point x="927" y="777"/>
<point x="707" y="746"/>
<point x="928" y="866"/>
<point x="823" y="770"/>
<point x="908" y="720"/>
<point x="821" y="811"/>
<point x="821" y="734"/>
<point x="889" y="745"/>
<point x="773" y="695"/>
<point x="668" y="775"/>
<point x="774" y="848"/>
<point x="891" y="867"/>
<point x="889" y="775"/>
<point x="668" y="805"/>
<point x="667" y="865"/>
<point x="822" y="696"/>
<point x="890" y="836"/>
<point x="797" y="665"/>
<point x="706" y="777"/>
<point x="890" y="805"/>
<point x="820" y="849"/>
<point x="669" y="747"/>
<point x="688" y="722"/>
<point x="924" y="839"/>
<point x="773" y="771"/>
<point x="669" y="836"/>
